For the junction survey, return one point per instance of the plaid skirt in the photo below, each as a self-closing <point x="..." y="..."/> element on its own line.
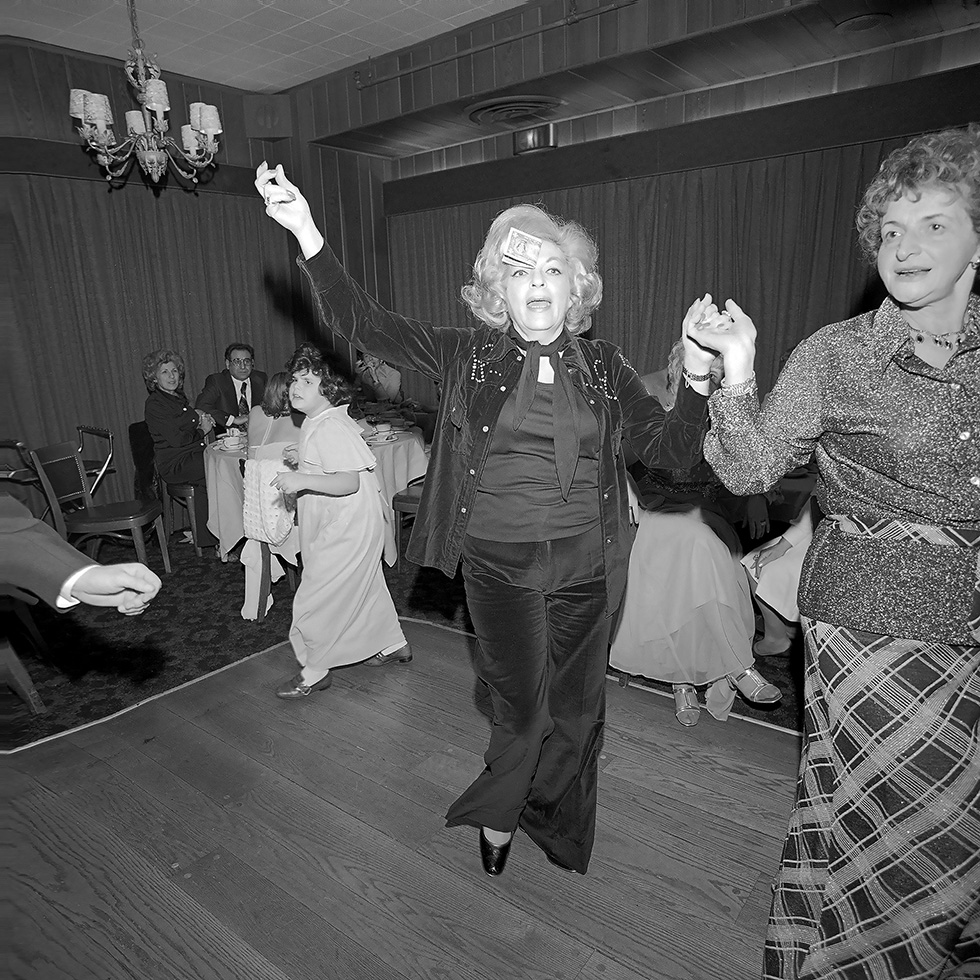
<point x="880" y="872"/>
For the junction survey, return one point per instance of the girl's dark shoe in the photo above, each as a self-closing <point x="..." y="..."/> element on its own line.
<point x="494" y="856"/>
<point x="400" y="656"/>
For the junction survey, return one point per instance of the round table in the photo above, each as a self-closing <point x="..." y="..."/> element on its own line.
<point x="226" y="495"/>
<point x="400" y="461"/>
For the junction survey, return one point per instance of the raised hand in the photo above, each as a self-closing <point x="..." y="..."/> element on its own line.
<point x="285" y="204"/>
<point x="732" y="334"/>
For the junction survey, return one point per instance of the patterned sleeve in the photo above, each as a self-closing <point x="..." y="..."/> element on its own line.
<point x="750" y="447"/>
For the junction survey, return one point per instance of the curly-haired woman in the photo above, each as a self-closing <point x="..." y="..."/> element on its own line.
<point x="880" y="874"/>
<point x="526" y="485"/>
<point x="178" y="432"/>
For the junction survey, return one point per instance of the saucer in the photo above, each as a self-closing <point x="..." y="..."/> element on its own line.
<point x="374" y="440"/>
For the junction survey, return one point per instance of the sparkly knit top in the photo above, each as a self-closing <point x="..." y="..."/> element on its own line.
<point x="897" y="443"/>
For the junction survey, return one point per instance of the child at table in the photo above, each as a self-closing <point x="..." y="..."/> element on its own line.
<point x="342" y="612"/>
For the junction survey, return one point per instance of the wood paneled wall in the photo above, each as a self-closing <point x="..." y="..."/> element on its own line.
<point x="40" y="77"/>
<point x="881" y="67"/>
<point x="531" y="41"/>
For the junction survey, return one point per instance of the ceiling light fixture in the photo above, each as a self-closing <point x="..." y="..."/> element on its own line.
<point x="147" y="126"/>
<point x="862" y="22"/>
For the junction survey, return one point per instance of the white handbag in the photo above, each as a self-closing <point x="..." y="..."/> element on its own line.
<point x="268" y="514"/>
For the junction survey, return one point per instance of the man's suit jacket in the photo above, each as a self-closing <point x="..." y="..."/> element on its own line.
<point x="219" y="397"/>
<point x="33" y="556"/>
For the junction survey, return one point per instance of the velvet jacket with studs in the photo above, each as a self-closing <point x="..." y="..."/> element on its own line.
<point x="477" y="368"/>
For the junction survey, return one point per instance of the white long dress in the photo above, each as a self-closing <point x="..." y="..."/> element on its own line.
<point x="687" y="614"/>
<point x="342" y="612"/>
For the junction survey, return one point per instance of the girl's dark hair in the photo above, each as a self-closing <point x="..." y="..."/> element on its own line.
<point x="275" y="401"/>
<point x="334" y="387"/>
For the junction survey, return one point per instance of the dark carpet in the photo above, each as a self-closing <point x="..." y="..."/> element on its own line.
<point x="98" y="662"/>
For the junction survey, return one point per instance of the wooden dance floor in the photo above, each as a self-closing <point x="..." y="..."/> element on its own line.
<point x="220" y="833"/>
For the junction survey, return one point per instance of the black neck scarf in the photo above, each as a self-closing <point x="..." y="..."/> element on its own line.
<point x="564" y="405"/>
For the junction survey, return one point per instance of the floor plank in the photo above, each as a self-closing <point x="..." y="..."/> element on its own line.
<point x="86" y="905"/>
<point x="261" y="838"/>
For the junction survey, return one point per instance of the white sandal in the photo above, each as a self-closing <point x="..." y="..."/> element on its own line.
<point x="686" y="706"/>
<point x="754" y="687"/>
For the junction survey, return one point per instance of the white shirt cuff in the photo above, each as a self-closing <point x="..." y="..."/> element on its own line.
<point x="65" y="599"/>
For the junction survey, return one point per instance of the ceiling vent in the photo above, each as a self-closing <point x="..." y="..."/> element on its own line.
<point x="513" y="110"/>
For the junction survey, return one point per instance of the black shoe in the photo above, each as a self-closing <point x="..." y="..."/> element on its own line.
<point x="296" y="687"/>
<point x="558" y="864"/>
<point x="400" y="656"/>
<point x="494" y="856"/>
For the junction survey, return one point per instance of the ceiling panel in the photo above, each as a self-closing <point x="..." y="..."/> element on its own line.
<point x="340" y="33"/>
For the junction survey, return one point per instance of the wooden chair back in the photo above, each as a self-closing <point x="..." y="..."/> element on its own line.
<point x="62" y="475"/>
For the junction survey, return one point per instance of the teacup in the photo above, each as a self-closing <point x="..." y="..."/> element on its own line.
<point x="383" y="428"/>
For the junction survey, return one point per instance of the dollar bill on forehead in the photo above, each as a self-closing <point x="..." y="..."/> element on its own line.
<point x="521" y="249"/>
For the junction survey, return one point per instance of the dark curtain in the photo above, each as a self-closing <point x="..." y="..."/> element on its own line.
<point x="776" y="235"/>
<point x="102" y="277"/>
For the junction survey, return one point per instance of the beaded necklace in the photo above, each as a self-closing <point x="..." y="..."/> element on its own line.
<point x="948" y="340"/>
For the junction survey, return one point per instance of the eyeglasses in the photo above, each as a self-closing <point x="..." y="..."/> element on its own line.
<point x="242" y="361"/>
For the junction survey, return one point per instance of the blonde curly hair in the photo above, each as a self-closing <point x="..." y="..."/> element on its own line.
<point x="484" y="293"/>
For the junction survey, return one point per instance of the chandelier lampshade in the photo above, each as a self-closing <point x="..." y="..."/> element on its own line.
<point x="147" y="127"/>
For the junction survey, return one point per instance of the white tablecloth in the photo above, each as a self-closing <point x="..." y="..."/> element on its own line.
<point x="399" y="461"/>
<point x="226" y="496"/>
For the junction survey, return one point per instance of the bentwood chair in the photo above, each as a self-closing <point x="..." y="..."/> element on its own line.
<point x="61" y="472"/>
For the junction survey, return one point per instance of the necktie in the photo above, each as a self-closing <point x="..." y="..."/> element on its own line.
<point x="243" y="401"/>
<point x="564" y="406"/>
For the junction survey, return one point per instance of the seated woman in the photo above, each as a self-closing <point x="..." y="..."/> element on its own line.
<point x="272" y="430"/>
<point x="774" y="571"/>
<point x="686" y="548"/>
<point x="178" y="432"/>
<point x="271" y="426"/>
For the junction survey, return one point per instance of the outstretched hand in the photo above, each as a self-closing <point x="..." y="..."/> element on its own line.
<point x="285" y="203"/>
<point x="129" y="587"/>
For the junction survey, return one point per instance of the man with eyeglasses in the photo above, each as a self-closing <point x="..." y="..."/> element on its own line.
<point x="229" y="395"/>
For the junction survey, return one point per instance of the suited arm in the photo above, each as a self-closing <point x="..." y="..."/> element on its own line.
<point x="210" y="400"/>
<point x="34" y="557"/>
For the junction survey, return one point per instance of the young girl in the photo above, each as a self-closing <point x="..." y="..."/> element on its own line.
<point x="342" y="613"/>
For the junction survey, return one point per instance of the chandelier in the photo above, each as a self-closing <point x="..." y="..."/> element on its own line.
<point x="146" y="127"/>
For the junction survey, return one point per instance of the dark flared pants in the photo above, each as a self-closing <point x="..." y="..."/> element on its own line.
<point x="539" y="610"/>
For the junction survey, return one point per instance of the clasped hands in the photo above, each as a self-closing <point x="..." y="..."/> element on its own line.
<point x="128" y="587"/>
<point x="709" y="331"/>
<point x="205" y="422"/>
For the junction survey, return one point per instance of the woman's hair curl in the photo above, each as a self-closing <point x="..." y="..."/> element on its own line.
<point x="335" y="388"/>
<point x="484" y="293"/>
<point x="155" y="360"/>
<point x="950" y="158"/>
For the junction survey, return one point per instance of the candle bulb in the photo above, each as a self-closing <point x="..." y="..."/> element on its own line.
<point x="135" y="123"/>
